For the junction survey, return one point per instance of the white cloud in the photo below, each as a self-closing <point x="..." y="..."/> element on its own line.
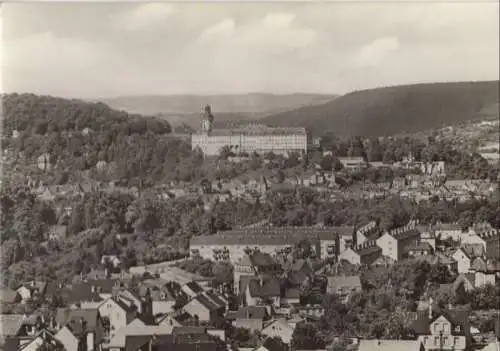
<point x="377" y="51"/>
<point x="143" y="16"/>
<point x="278" y="19"/>
<point x="224" y="48"/>
<point x="224" y="28"/>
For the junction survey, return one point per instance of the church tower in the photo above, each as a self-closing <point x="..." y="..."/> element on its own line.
<point x="207" y="119"/>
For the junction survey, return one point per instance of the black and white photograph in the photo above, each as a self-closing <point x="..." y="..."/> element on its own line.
<point x="250" y="176"/>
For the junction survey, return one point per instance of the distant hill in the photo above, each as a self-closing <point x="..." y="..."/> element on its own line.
<point x="392" y="110"/>
<point x="178" y="109"/>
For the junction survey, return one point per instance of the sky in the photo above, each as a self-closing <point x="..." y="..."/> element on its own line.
<point x="95" y="50"/>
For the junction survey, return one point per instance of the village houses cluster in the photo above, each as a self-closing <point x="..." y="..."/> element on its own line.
<point x="162" y="307"/>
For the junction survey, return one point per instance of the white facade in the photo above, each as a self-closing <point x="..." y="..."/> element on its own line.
<point x="463" y="261"/>
<point x="211" y="143"/>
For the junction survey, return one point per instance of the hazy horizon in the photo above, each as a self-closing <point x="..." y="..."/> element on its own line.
<point x="113" y="50"/>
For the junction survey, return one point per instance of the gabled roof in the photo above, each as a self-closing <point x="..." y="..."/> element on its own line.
<point x="270" y="287"/>
<point x="195" y="287"/>
<point x="248" y="312"/>
<point x="390" y="345"/>
<point x="104" y="285"/>
<point x="260" y="259"/>
<point x="473" y="250"/>
<point x="456" y="317"/>
<point x="209" y="305"/>
<point x="73" y="317"/>
<point x="11" y="324"/>
<point x="8" y="295"/>
<point x="292" y="293"/>
<point x="214" y="298"/>
<point x="80" y="292"/>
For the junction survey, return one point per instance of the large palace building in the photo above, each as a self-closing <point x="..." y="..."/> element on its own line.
<point x="248" y="139"/>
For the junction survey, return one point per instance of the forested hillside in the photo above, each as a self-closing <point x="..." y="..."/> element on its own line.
<point x="234" y="104"/>
<point x="391" y="110"/>
<point x="77" y="135"/>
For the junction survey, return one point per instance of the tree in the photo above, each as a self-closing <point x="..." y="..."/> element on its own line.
<point x="306" y="337"/>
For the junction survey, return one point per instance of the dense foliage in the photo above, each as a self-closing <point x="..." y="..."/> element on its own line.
<point x="391" y="110"/>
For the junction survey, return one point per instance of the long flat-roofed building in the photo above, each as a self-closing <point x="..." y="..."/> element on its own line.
<point x="248" y="139"/>
<point x="233" y="244"/>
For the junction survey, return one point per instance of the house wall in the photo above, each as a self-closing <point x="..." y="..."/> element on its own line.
<point x="24" y="292"/>
<point x="484" y="279"/>
<point x="328" y="249"/>
<point x="240" y="271"/>
<point x="194" y="307"/>
<point x="34" y="344"/>
<point x="236" y="252"/>
<point x="463" y="262"/>
<point x="389" y="246"/>
<point x="211" y="144"/>
<point x="163" y="307"/>
<point x="450" y="342"/>
<point x="250" y="324"/>
<point x="403" y="244"/>
<point x="250" y="300"/>
<point x="67" y="338"/>
<point x="350" y="256"/>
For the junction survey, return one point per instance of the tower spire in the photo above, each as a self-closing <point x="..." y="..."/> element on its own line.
<point x="207" y="118"/>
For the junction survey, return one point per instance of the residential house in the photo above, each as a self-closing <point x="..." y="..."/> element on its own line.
<point x="57" y="232"/>
<point x="205" y="308"/>
<point x="344" y="286"/>
<point x="12" y="326"/>
<point x="465" y="280"/>
<point x="9" y="297"/>
<point x="41" y="339"/>
<point x="261" y="290"/>
<point x="440" y="329"/>
<point x="138" y="328"/>
<point x="390" y="345"/>
<point x="466" y="254"/>
<point x="448" y="230"/>
<point x="395" y="242"/>
<point x="353" y="164"/>
<point x="428" y="236"/>
<point x="316" y="311"/>
<point x="279" y="328"/>
<point x="253" y="264"/>
<point x="489" y="268"/>
<point x="491" y="239"/>
<point x="234" y="244"/>
<point x="270" y="344"/>
<point x="192" y="289"/>
<point x="82" y="325"/>
<point x="249" y="317"/>
<point x="364" y="254"/>
<point x="419" y="249"/>
<point x="366" y="232"/>
<point x="118" y="313"/>
<point x="31" y="289"/>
